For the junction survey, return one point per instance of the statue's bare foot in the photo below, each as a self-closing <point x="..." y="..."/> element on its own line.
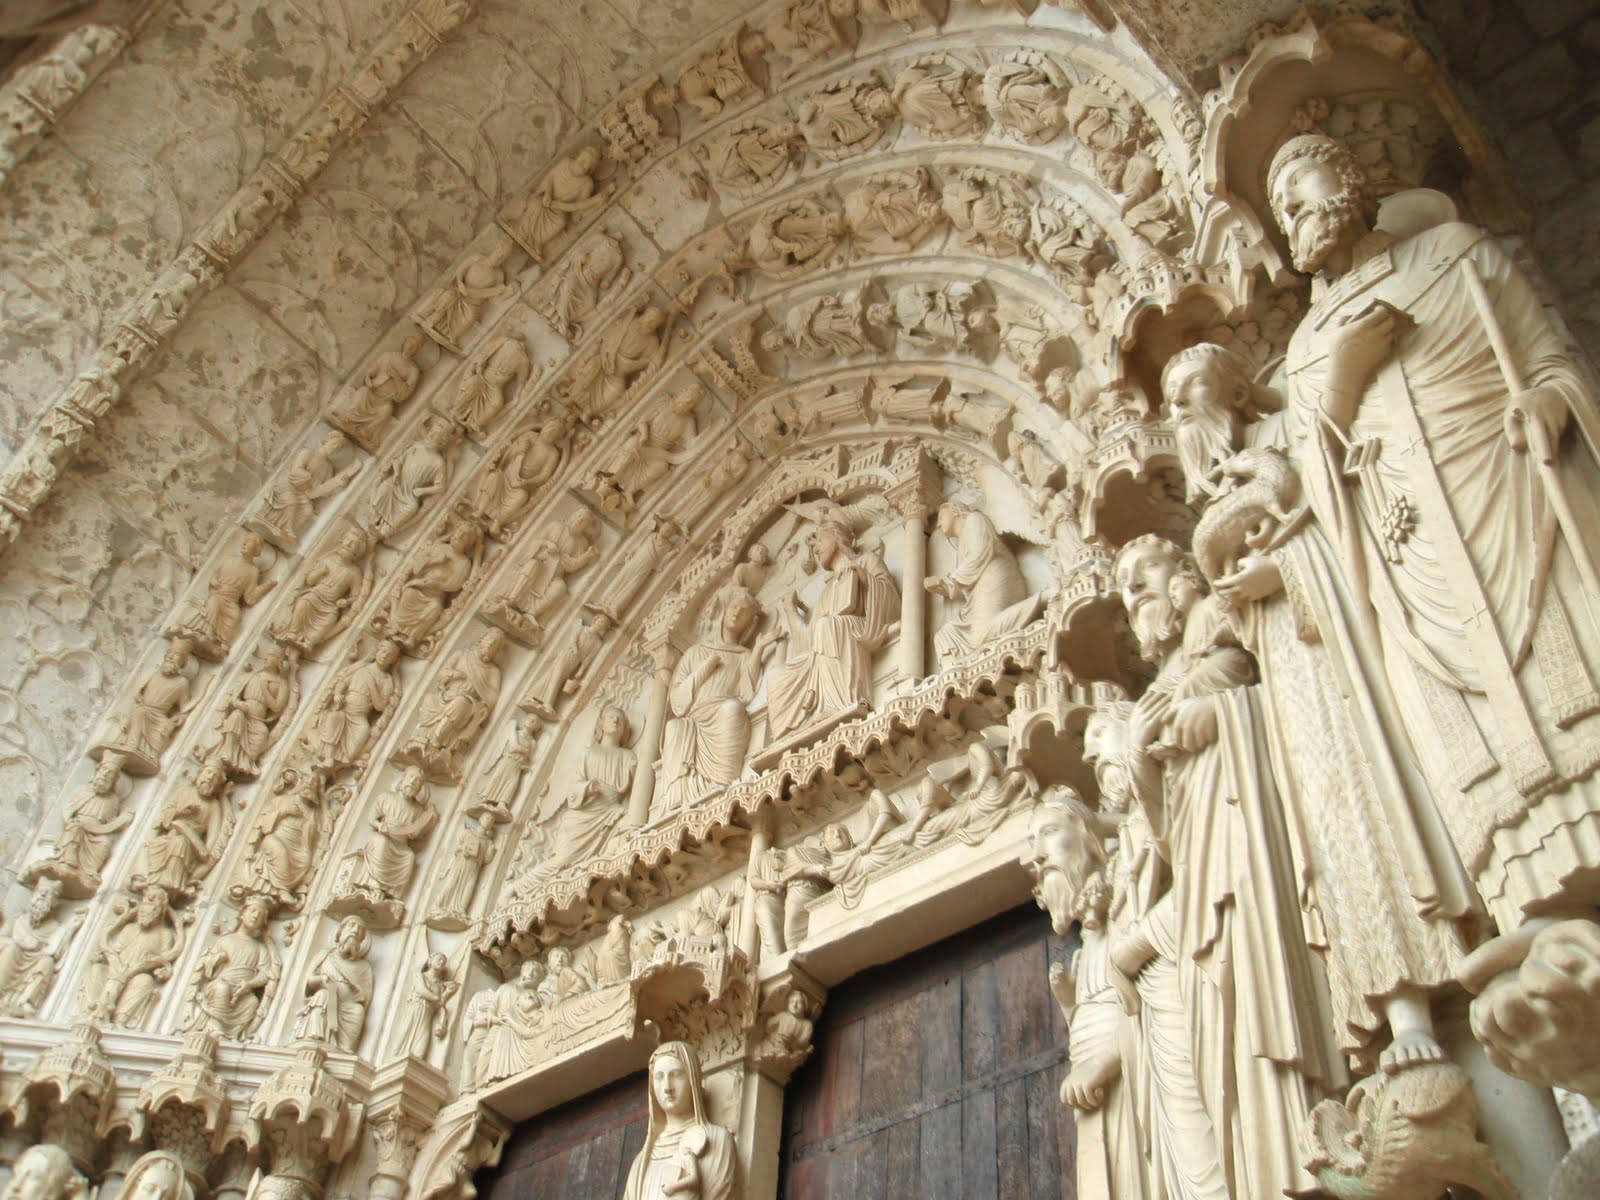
<point x="1414" y="1048"/>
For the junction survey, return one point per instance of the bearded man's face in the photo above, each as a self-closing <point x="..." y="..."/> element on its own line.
<point x="1316" y="210"/>
<point x="1206" y="427"/>
<point x="1152" y="616"/>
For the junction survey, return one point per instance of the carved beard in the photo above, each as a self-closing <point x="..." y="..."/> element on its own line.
<point x="1205" y="441"/>
<point x="1320" y="227"/>
<point x="1058" y="898"/>
<point x="1157" y="624"/>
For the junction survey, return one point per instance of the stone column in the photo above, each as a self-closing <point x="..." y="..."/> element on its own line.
<point x="914" y="598"/>
<point x="914" y="498"/>
<point x="760" y="843"/>
<point x="649" y="746"/>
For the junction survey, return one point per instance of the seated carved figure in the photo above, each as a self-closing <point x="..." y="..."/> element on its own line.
<point x="828" y="668"/>
<point x="236" y="978"/>
<point x="454" y="712"/>
<point x="30" y="949"/>
<point x="994" y="597"/>
<point x="134" y="959"/>
<point x="583" y="820"/>
<point x="705" y="740"/>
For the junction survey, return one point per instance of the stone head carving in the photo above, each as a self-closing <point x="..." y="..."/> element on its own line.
<point x="1146" y="570"/>
<point x="1211" y="395"/>
<point x="1067" y="859"/>
<point x="612" y="727"/>
<point x="44" y="1172"/>
<point x="1321" y="199"/>
<point x="157" y="1176"/>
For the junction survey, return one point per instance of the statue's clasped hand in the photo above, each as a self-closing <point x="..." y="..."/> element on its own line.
<point x="1255" y="578"/>
<point x="1356" y="350"/>
<point x="1536" y="417"/>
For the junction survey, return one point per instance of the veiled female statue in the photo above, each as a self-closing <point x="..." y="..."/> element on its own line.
<point x="705" y="740"/>
<point x="685" y="1156"/>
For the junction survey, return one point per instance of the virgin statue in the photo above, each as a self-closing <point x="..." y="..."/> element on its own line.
<point x="685" y="1156"/>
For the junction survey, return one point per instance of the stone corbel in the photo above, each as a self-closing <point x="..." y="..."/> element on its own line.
<point x="466" y="1137"/>
<point x="183" y="1108"/>
<point x="406" y="1097"/>
<point x="305" y="1120"/>
<point x="68" y="1094"/>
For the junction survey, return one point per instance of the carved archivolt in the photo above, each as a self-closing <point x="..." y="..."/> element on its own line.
<point x="804" y="495"/>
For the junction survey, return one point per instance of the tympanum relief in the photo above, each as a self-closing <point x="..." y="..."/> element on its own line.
<point x="753" y="551"/>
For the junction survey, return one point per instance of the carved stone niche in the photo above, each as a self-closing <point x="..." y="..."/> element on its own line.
<point x="1367" y="84"/>
<point x="306" y="1121"/>
<point x="67" y="1097"/>
<point x="1046" y="726"/>
<point x="183" y="1108"/>
<point x="1131" y="481"/>
<point x="1089" y="633"/>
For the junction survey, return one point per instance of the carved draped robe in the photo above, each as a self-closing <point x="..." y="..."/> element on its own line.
<point x="704" y="743"/>
<point x="181" y="842"/>
<point x="994" y="595"/>
<point x="834" y="673"/>
<point x="1475" y="615"/>
<point x="337" y="1010"/>
<point x="244" y="965"/>
<point x="1252" y="991"/>
<point x="1381" y="894"/>
<point x="584" y="820"/>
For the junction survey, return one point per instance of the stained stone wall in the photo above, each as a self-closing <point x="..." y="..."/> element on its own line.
<point x="1531" y="71"/>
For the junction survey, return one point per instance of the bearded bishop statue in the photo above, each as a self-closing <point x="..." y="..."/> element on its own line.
<point x="1446" y="444"/>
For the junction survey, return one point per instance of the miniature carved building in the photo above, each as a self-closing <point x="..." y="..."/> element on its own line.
<point x="544" y="543"/>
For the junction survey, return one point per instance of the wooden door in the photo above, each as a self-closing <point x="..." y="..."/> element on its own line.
<point x="580" y="1151"/>
<point x="936" y="1076"/>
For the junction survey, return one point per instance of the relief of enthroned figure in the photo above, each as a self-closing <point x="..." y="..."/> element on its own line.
<point x="828" y="669"/>
<point x="987" y="583"/>
<point x="712" y="686"/>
